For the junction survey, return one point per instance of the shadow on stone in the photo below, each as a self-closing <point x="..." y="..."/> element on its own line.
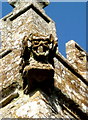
<point x="57" y="97"/>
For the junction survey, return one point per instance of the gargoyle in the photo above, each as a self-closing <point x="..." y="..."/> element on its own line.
<point x="37" y="61"/>
<point x="43" y="47"/>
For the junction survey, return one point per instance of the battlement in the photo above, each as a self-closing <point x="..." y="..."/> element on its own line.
<point x="77" y="57"/>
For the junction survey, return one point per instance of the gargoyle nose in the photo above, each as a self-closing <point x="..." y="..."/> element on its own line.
<point x="40" y="49"/>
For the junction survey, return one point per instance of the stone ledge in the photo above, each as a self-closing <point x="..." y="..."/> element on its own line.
<point x="4" y="53"/>
<point x="8" y="99"/>
<point x="8" y="90"/>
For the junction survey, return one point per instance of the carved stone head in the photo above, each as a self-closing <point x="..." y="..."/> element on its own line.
<point x="42" y="44"/>
<point x="37" y="65"/>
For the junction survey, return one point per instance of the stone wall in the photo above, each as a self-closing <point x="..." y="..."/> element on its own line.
<point x="70" y="74"/>
<point x="14" y="27"/>
<point x="24" y="22"/>
<point x="9" y="69"/>
<point x="69" y="82"/>
<point x="73" y="87"/>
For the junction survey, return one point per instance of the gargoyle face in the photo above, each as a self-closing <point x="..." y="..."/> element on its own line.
<point x="41" y="45"/>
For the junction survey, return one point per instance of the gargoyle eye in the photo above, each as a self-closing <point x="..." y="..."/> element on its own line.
<point x="36" y="42"/>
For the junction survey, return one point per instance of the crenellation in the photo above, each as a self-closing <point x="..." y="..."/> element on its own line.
<point x="77" y="57"/>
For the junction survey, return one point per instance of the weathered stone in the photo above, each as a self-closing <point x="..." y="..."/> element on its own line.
<point x="37" y="61"/>
<point x="35" y="106"/>
<point x="70" y="84"/>
<point x="16" y="3"/>
<point x="61" y="86"/>
<point x="77" y="57"/>
<point x="8" y="99"/>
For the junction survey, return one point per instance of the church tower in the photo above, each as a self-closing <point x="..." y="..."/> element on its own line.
<point x="36" y="81"/>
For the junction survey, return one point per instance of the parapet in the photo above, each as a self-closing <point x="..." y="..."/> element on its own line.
<point x="77" y="57"/>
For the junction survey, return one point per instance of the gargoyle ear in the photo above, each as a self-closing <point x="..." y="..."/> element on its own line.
<point x="25" y="41"/>
<point x="51" y="38"/>
<point x="25" y="38"/>
<point x="30" y="37"/>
